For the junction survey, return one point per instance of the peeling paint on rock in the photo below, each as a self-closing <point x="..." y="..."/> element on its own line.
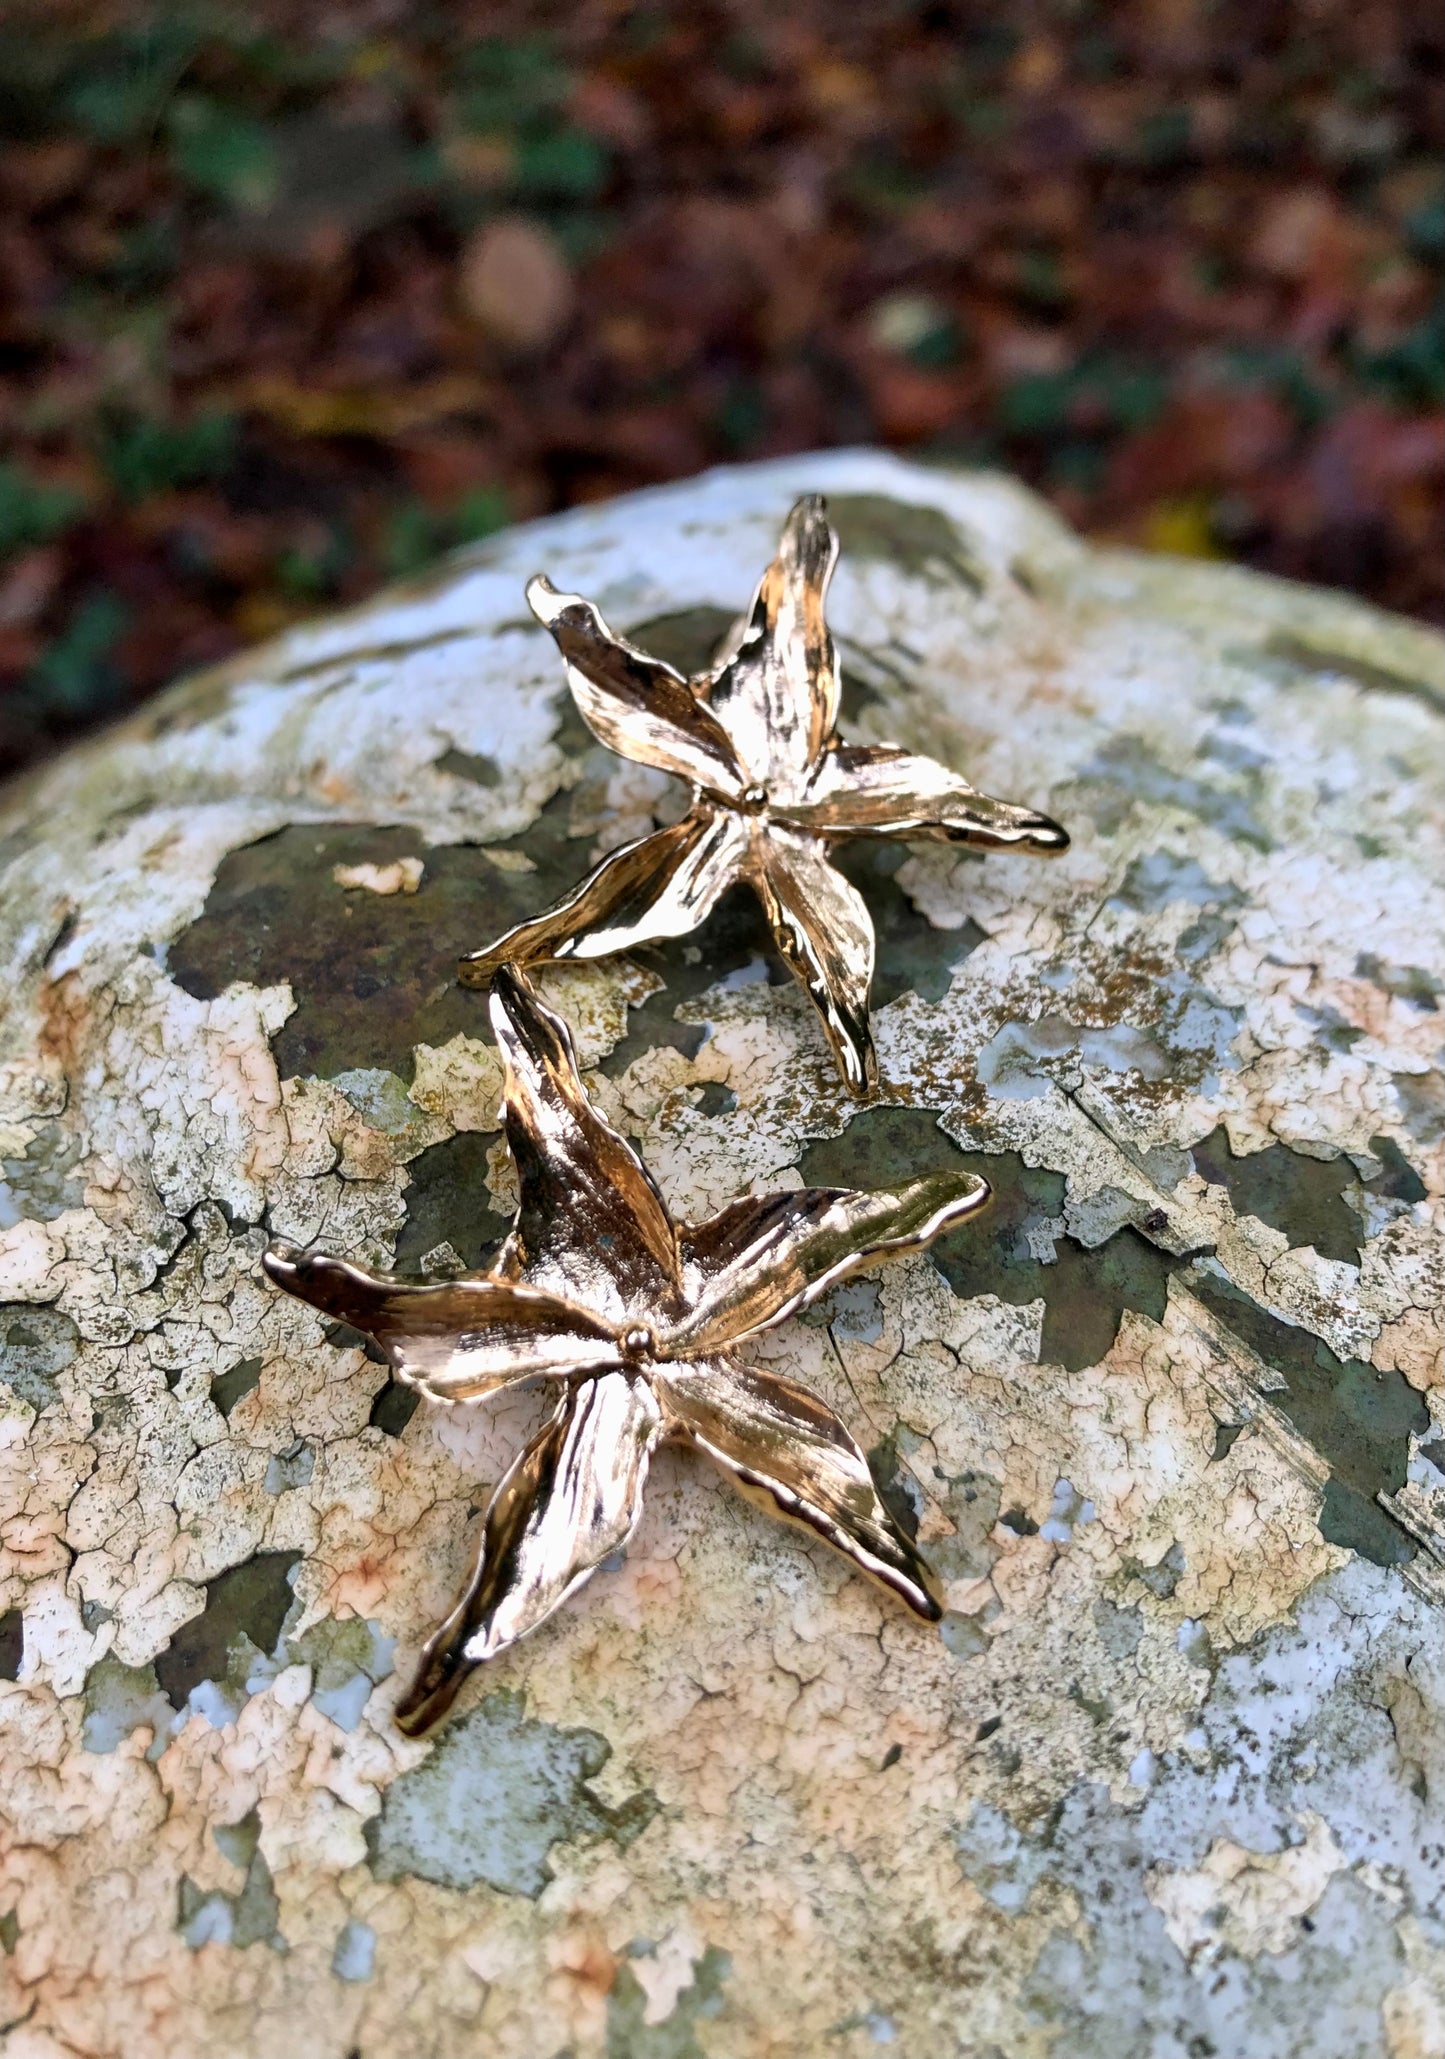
<point x="1170" y="1424"/>
<point x="495" y="1794"/>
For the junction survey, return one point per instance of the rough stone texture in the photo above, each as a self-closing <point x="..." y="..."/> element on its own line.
<point x="1167" y="1782"/>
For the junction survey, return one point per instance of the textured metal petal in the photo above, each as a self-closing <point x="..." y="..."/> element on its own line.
<point x="591" y="1226"/>
<point x="635" y="704"/>
<point x="571" y="1498"/>
<point x="824" y="931"/>
<point x="454" y="1339"/>
<point x="776" y="691"/>
<point x="764" y="1258"/>
<point x="788" y="1451"/>
<point x="662" y="885"/>
<point x="878" y="790"/>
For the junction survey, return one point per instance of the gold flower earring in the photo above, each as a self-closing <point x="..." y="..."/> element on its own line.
<point x="774" y="788"/>
<point x="634" y="1321"/>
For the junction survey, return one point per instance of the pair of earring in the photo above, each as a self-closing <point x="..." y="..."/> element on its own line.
<point x="633" y="1319"/>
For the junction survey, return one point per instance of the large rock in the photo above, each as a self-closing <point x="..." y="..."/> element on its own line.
<point x="1169" y="1780"/>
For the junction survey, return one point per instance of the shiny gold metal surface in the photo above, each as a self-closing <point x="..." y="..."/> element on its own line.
<point x="636" y="1320"/>
<point x="773" y="786"/>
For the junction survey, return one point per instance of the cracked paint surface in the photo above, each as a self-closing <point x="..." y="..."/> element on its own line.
<point x="1167" y="1778"/>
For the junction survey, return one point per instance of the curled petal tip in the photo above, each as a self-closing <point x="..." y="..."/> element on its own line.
<point x="1046" y="835"/>
<point x="544" y="600"/>
<point x="281" y="1259"/>
<point x="475" y="971"/>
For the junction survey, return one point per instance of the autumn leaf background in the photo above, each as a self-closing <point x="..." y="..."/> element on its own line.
<point x="294" y="299"/>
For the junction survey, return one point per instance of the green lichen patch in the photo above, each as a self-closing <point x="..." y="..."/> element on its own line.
<point x="251" y="1917"/>
<point x="1125" y="773"/>
<point x="919" y="541"/>
<point x="1159" y="878"/>
<point x="1302" y="1197"/>
<point x="971" y="1501"/>
<point x="381" y="1100"/>
<point x="631" y="2036"/>
<point x="734" y="940"/>
<point x="1019" y="1251"/>
<point x="448" y="1202"/>
<point x="688" y="639"/>
<point x="474" y="766"/>
<point x="1422" y="1102"/>
<point x="118" y="1700"/>
<point x="229" y="1388"/>
<point x="36" y="1343"/>
<point x="1302" y="655"/>
<point x="348" y="1656"/>
<point x="1410" y="983"/>
<point x="492" y="1798"/>
<point x="898" y="1490"/>
<point x="912" y="956"/>
<point x="372" y="974"/>
<point x="1359" y="1419"/>
<point x="998" y="1859"/>
<point x="42" y="1185"/>
<point x="393" y="1408"/>
<point x="245" y="1609"/>
<point x="1164" y="1575"/>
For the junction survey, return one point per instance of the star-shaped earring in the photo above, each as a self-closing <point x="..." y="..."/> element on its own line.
<point x="635" y="1321"/>
<point x="773" y="788"/>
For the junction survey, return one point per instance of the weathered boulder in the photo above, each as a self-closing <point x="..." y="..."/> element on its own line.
<point x="1171" y="1422"/>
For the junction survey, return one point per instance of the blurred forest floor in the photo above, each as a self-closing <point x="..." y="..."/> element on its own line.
<point x="295" y="297"/>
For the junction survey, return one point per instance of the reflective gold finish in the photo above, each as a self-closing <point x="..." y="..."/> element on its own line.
<point x="636" y="1319"/>
<point x="772" y="786"/>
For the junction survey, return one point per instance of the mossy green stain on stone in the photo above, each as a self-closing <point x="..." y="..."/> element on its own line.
<point x="919" y="541"/>
<point x="1405" y="982"/>
<point x="12" y="1643"/>
<point x="474" y="766"/>
<point x="118" y="1700"/>
<point x="1358" y="1419"/>
<point x="1303" y="655"/>
<point x="494" y="1795"/>
<point x="36" y="1343"/>
<point x="912" y="956"/>
<point x="372" y="974"/>
<point x="688" y="639"/>
<point x="251" y="1917"/>
<point x="41" y="1185"/>
<point x="1006" y="1253"/>
<point x="631" y="2036"/>
<point x="348" y="1656"/>
<point x="1300" y="1196"/>
<point x="229" y="1388"/>
<point x="245" y="1609"/>
<point x="447" y="1201"/>
<point x="898" y="1490"/>
<point x="1397" y="1179"/>
<point x="1124" y="772"/>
